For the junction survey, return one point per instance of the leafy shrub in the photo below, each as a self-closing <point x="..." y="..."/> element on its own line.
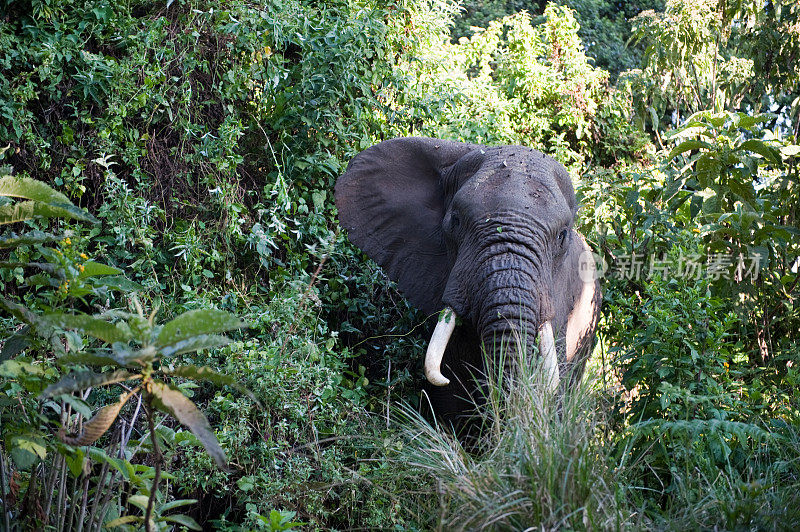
<point x="308" y="450"/>
<point x="704" y="407"/>
<point x="523" y="83"/>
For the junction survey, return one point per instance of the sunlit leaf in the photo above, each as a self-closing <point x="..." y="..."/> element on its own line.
<point x="176" y="504"/>
<point x="748" y="121"/>
<point x="92" y="268"/>
<point x="124" y="520"/>
<point x="790" y="150"/>
<point x="31" y="189"/>
<point x="27" y="449"/>
<point x="139" y="501"/>
<point x="14" y="369"/>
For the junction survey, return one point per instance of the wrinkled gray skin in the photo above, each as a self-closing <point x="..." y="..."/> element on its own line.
<point x="484" y="230"/>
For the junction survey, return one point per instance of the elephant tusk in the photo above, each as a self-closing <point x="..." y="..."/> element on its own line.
<point x="547" y="348"/>
<point x="433" y="357"/>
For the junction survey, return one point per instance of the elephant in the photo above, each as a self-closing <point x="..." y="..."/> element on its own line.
<point x="483" y="236"/>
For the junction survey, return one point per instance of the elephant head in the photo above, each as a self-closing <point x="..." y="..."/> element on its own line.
<point x="485" y="233"/>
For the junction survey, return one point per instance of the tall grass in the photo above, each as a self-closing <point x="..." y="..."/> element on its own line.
<point x="542" y="461"/>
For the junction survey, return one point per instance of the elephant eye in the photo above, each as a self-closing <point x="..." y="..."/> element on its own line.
<point x="562" y="237"/>
<point x="454" y="222"/>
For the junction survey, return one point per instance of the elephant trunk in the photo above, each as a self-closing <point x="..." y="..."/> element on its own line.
<point x="516" y="306"/>
<point x="516" y="343"/>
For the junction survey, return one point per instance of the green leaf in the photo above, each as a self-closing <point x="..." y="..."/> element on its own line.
<point x="123" y="466"/>
<point x="711" y="203"/>
<point x="93" y="269"/>
<point x="695" y="206"/>
<point x="687" y="145"/>
<point x="86" y="379"/>
<point x="176" y="504"/>
<point x="707" y="170"/>
<point x="13" y="240"/>
<point x="631" y="197"/>
<point x="53" y="269"/>
<point x="15" y="344"/>
<point x="170" y="400"/>
<point x="75" y="462"/>
<point x="31" y="189"/>
<point x="118" y="282"/>
<point x="27" y="450"/>
<point x="282" y="520"/>
<point x="89" y="325"/>
<point x="184" y="520"/>
<point x="745" y="191"/>
<point x="196" y="343"/>
<point x="77" y="404"/>
<point x="14" y="369"/>
<point x="761" y="148"/>
<point x="87" y="359"/>
<point x="27" y="210"/>
<point x="126" y="356"/>
<point x="197" y="322"/>
<point x="23" y="314"/>
<point x="747" y="121"/>
<point x="653" y="118"/>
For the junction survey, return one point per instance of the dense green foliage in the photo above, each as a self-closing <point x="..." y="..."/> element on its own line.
<point x="205" y="136"/>
<point x="605" y="26"/>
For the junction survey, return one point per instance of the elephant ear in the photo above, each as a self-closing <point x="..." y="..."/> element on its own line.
<point x="391" y="201"/>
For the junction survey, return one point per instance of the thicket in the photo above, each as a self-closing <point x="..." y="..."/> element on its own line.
<point x="205" y="136"/>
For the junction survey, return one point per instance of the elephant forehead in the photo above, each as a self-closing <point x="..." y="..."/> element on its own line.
<point x="501" y="184"/>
